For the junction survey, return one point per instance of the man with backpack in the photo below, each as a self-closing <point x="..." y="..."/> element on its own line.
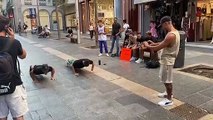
<point x="41" y="69"/>
<point x="12" y="92"/>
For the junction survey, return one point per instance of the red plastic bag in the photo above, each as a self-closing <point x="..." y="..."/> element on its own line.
<point x="126" y="54"/>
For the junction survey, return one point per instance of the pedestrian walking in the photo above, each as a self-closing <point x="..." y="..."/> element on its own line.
<point x="12" y="92"/>
<point x="116" y="30"/>
<point x="170" y="46"/>
<point x="25" y="26"/>
<point x="102" y="38"/>
<point x="91" y="30"/>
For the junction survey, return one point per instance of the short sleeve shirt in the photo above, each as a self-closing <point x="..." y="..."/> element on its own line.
<point x="15" y="51"/>
<point x="115" y="28"/>
<point x="79" y="63"/>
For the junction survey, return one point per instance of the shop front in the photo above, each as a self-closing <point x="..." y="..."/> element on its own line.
<point x="181" y="12"/>
<point x="105" y="12"/>
<point x="204" y="21"/>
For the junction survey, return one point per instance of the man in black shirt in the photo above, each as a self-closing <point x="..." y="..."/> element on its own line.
<point x="17" y="105"/>
<point x="116" y="30"/>
<point x="41" y="69"/>
<point x="78" y="64"/>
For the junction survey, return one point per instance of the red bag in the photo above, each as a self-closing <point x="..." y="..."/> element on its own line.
<point x="126" y="54"/>
<point x="199" y="12"/>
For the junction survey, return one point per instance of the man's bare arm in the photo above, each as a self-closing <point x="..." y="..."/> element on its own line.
<point x="167" y="42"/>
<point x="24" y="54"/>
<point x="92" y="67"/>
<point x="53" y="74"/>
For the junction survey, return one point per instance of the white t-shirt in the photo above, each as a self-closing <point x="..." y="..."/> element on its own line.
<point x="91" y="27"/>
<point x="101" y="37"/>
<point x="125" y="26"/>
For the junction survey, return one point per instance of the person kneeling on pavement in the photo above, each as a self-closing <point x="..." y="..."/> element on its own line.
<point x="77" y="65"/>
<point x="41" y="69"/>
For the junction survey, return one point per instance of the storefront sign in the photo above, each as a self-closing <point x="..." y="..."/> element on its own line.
<point x="71" y="2"/>
<point x="142" y="1"/>
<point x="32" y="12"/>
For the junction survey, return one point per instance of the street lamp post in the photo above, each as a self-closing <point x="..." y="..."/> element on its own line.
<point x="38" y="14"/>
<point x="57" y="19"/>
<point x="96" y="21"/>
<point x="77" y="18"/>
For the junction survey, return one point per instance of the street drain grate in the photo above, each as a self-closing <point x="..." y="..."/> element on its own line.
<point x="189" y="112"/>
<point x="201" y="70"/>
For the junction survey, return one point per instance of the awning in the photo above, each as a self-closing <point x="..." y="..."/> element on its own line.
<point x="142" y="1"/>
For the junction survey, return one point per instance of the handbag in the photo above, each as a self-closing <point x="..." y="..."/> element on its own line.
<point x="204" y="9"/>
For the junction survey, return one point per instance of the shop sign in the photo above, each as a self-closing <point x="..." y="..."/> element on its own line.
<point x="32" y="12"/>
<point x="142" y="1"/>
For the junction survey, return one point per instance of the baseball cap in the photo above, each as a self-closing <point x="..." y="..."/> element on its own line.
<point x="165" y="19"/>
<point x="4" y="22"/>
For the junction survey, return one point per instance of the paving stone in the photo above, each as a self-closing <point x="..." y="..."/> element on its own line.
<point x="208" y="106"/>
<point x="196" y="99"/>
<point x="208" y="92"/>
<point x="159" y="114"/>
<point x="41" y="115"/>
<point x="36" y="106"/>
<point x="132" y="98"/>
<point x="60" y="112"/>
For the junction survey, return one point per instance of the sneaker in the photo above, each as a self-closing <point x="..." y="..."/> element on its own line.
<point x="132" y="59"/>
<point x="165" y="103"/>
<point x="100" y="55"/>
<point x="139" y="61"/>
<point x="163" y="95"/>
<point x="107" y="55"/>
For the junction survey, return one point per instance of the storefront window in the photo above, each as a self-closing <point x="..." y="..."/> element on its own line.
<point x="106" y="12"/>
<point x="71" y="20"/>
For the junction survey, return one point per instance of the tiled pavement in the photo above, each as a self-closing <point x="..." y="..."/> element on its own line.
<point x="92" y="97"/>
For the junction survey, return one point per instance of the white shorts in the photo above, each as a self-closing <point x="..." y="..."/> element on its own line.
<point x="166" y="75"/>
<point x="15" y="103"/>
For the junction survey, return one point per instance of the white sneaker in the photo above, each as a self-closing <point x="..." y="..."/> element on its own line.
<point x="139" y="61"/>
<point x="107" y="55"/>
<point x="100" y="55"/>
<point x="132" y="59"/>
<point x="163" y="95"/>
<point x="165" y="103"/>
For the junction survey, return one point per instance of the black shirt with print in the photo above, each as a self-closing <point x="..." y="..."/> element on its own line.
<point x="15" y="50"/>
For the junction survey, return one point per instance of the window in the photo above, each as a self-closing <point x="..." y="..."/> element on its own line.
<point x="28" y="2"/>
<point x="42" y="2"/>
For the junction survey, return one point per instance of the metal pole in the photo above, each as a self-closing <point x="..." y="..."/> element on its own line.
<point x="77" y="18"/>
<point x="38" y="14"/>
<point x="57" y="19"/>
<point x="96" y="22"/>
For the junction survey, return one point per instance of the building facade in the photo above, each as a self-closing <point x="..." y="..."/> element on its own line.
<point x="33" y="12"/>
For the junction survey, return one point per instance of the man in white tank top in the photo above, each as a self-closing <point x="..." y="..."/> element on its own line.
<point x="102" y="38"/>
<point x="170" y="46"/>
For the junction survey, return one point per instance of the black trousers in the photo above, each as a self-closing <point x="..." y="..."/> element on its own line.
<point x="91" y="33"/>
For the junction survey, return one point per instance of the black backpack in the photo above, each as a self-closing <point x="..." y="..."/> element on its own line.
<point x="7" y="73"/>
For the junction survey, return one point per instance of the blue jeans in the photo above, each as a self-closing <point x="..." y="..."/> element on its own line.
<point x="101" y="44"/>
<point x="115" y="39"/>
